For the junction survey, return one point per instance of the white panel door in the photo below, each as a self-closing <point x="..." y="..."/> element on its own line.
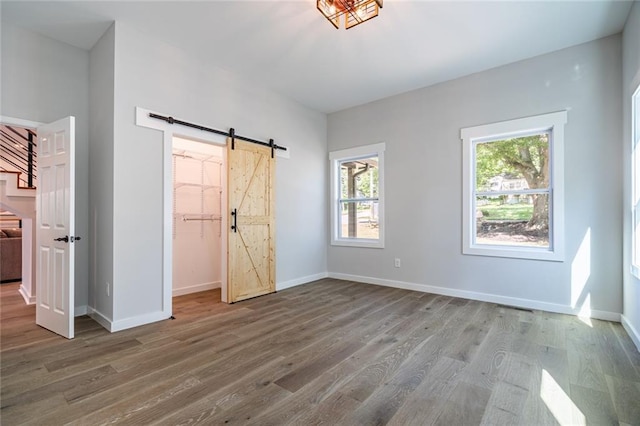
<point x="55" y="228"/>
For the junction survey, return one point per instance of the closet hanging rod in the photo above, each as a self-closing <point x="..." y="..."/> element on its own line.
<point x="230" y="133"/>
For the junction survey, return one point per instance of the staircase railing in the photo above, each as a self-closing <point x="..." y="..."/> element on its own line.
<point x="18" y="153"/>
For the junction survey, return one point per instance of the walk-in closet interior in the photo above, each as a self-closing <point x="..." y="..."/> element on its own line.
<point x="197" y="194"/>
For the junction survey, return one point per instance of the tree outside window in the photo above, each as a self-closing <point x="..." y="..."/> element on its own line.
<point x="513" y="188"/>
<point x="512" y="191"/>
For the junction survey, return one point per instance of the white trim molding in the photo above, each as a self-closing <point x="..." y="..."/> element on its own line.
<point x="29" y="299"/>
<point x="299" y="281"/>
<point x="124" y="324"/>
<point x="170" y="131"/>
<point x="99" y="318"/>
<point x="360" y="152"/>
<point x="12" y="121"/>
<point x="631" y="331"/>
<point x="196" y="288"/>
<point x="554" y="124"/>
<point x="482" y="297"/>
<point x="143" y="119"/>
<point x="139" y="320"/>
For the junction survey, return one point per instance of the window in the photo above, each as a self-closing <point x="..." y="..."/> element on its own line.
<point x="635" y="184"/>
<point x="357" y="196"/>
<point x="513" y="197"/>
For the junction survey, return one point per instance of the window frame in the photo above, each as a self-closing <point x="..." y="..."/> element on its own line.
<point x="635" y="182"/>
<point x="335" y="158"/>
<point x="554" y="124"/>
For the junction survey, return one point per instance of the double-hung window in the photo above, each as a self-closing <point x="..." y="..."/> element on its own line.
<point x="357" y="196"/>
<point x="513" y="188"/>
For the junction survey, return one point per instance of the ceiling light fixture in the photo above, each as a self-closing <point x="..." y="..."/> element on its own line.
<point x="354" y="11"/>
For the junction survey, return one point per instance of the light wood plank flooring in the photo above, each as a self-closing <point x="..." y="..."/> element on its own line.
<point x="330" y="352"/>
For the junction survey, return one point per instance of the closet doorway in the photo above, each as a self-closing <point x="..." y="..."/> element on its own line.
<point x="199" y="188"/>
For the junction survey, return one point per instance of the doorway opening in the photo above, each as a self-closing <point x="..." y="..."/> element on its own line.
<point x="198" y="194"/>
<point x="18" y="177"/>
<point x="10" y="247"/>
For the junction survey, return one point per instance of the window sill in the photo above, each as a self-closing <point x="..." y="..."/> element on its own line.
<point x="358" y="243"/>
<point x="514" y="252"/>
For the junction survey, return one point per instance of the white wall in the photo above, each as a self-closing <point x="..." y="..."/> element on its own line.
<point x="44" y="80"/>
<point x="162" y="78"/>
<point x="101" y="110"/>
<point x="423" y="182"/>
<point x="630" y="81"/>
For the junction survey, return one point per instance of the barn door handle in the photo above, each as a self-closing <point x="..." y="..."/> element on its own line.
<point x="234" y="214"/>
<point x="65" y="239"/>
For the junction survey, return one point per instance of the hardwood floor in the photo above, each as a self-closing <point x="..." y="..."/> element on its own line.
<point x="331" y="352"/>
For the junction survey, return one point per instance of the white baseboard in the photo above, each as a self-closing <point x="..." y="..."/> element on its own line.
<point x="80" y="310"/>
<point x="631" y="331"/>
<point x="28" y="298"/>
<point x="181" y="291"/>
<point x="465" y="294"/>
<point x="99" y="318"/>
<point x="300" y="281"/>
<point x="126" y="323"/>
<point x="483" y="297"/>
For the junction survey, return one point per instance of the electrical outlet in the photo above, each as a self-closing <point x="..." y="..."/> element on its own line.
<point x="107" y="288"/>
<point x="397" y="263"/>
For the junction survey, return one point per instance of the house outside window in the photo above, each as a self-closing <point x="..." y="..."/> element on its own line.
<point x="513" y="188"/>
<point x="635" y="184"/>
<point x="357" y="196"/>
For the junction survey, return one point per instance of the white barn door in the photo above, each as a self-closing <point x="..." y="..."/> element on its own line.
<point x="55" y="227"/>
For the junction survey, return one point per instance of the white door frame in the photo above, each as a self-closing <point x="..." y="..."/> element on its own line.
<point x="169" y="131"/>
<point x="28" y="285"/>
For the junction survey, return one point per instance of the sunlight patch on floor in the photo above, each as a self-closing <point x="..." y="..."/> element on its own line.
<point x="559" y="403"/>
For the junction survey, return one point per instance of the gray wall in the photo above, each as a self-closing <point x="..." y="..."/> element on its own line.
<point x="101" y="111"/>
<point x="630" y="81"/>
<point x="423" y="170"/>
<point x="157" y="76"/>
<point x="423" y="182"/>
<point x="45" y="80"/>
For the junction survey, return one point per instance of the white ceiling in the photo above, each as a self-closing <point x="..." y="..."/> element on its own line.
<point x="289" y="47"/>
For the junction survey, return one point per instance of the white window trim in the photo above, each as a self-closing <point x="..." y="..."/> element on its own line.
<point x="635" y="176"/>
<point x="359" y="152"/>
<point x="508" y="129"/>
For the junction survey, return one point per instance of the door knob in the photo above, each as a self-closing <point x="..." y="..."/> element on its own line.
<point x="65" y="239"/>
<point x="75" y="239"/>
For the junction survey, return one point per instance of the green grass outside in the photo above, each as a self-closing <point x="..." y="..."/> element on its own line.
<point x="496" y="211"/>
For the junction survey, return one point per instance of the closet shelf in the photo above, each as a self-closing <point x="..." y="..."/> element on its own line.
<point x="196" y="185"/>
